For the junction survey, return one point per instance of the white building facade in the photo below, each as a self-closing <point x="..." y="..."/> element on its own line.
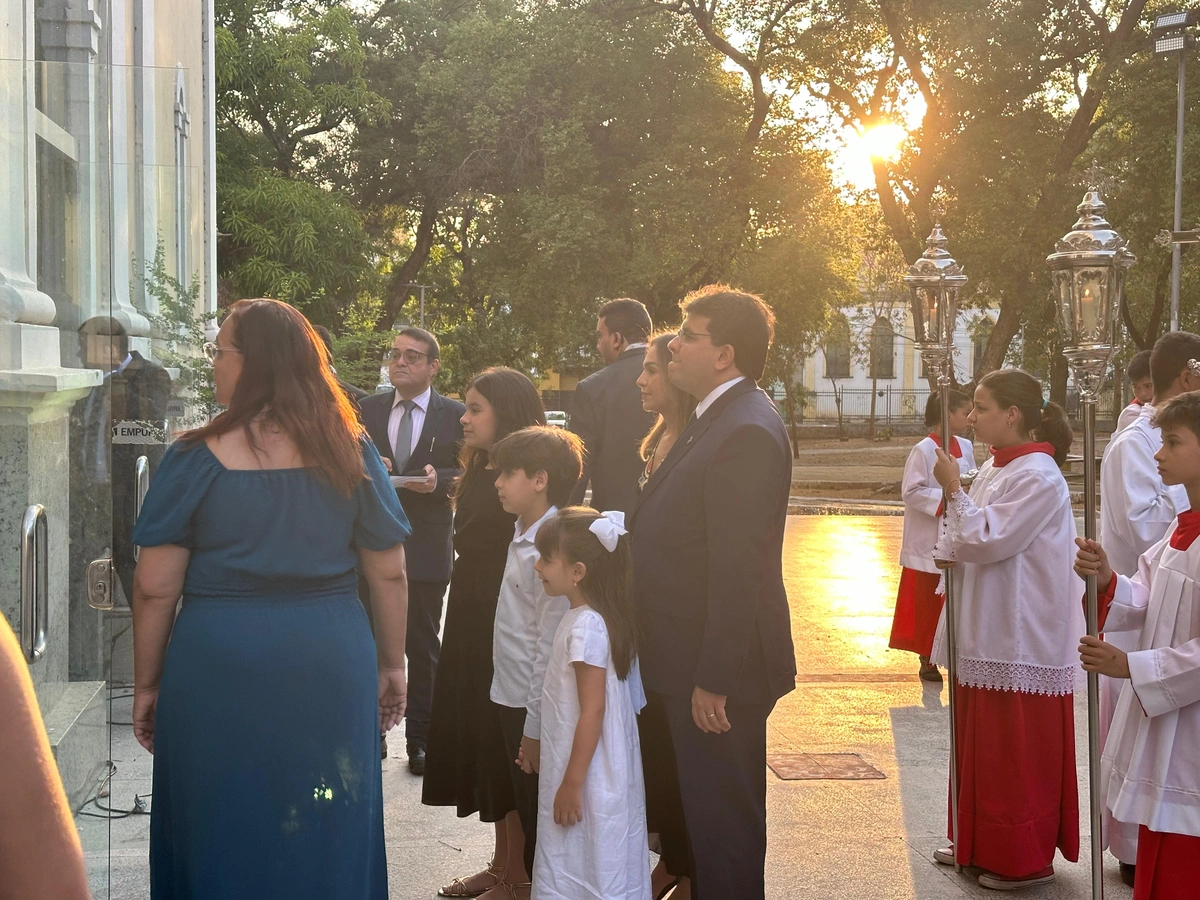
<point x="106" y="154"/>
<point x="871" y="352"/>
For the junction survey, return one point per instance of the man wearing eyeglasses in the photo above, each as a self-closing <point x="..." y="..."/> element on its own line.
<point x="606" y="411"/>
<point x="714" y="633"/>
<point x="418" y="433"/>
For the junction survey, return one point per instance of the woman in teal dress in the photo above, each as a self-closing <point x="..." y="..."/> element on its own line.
<point x="263" y="701"/>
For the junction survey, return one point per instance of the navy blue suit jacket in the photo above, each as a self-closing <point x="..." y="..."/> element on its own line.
<point x="708" y="556"/>
<point x="429" y="552"/>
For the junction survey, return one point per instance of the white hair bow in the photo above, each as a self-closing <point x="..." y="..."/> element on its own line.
<point x="1194" y="366"/>
<point x="609" y="528"/>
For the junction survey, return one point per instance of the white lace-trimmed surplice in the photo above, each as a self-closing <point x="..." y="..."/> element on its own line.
<point x="1018" y="598"/>
<point x="1151" y="762"/>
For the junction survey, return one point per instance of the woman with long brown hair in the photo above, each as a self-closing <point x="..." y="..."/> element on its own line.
<point x="263" y="701"/>
<point x="466" y="765"/>
<point x="673" y="405"/>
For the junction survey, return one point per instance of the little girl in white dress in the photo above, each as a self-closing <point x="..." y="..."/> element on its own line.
<point x="591" y="797"/>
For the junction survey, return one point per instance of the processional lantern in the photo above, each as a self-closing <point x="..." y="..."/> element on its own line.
<point x="934" y="281"/>
<point x="1088" y="268"/>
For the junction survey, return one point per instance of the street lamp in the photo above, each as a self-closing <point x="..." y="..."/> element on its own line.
<point x="422" y="288"/>
<point x="1088" y="271"/>
<point x="1170" y="36"/>
<point x="934" y="282"/>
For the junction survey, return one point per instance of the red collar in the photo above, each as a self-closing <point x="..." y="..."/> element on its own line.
<point x="1003" y="456"/>
<point x="1139" y="402"/>
<point x="1187" y="529"/>
<point x="955" y="447"/>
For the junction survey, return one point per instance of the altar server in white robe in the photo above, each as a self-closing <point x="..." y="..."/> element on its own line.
<point x="918" y="605"/>
<point x="1142" y="385"/>
<point x="1151" y="763"/>
<point x="1012" y="543"/>
<point x="1136" y="511"/>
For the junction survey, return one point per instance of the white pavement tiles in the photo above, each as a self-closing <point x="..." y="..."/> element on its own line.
<point x="829" y="840"/>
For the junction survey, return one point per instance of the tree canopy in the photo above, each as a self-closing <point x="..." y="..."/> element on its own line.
<point x="529" y="160"/>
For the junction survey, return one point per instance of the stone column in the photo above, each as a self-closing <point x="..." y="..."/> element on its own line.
<point x="25" y="312"/>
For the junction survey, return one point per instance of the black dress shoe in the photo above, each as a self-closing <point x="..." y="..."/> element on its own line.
<point x="1127" y="871"/>
<point x="383" y="746"/>
<point x="416" y="761"/>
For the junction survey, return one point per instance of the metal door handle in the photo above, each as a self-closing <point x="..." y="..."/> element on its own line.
<point x="142" y="474"/>
<point x="35" y="582"/>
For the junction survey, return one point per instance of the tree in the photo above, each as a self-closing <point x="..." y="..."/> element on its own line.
<point x="1007" y="95"/>
<point x="289" y="85"/>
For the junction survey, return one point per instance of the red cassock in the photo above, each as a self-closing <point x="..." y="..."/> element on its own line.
<point x="1168" y="866"/>
<point x="1017" y="794"/>
<point x="918" y="609"/>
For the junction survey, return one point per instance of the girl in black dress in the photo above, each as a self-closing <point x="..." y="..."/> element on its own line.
<point x="466" y="765"/>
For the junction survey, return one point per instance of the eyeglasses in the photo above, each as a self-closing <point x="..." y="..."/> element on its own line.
<point x="410" y="356"/>
<point x="212" y="351"/>
<point x="692" y="336"/>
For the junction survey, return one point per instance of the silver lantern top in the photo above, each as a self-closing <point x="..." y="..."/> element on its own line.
<point x="934" y="281"/>
<point x="1088" y="269"/>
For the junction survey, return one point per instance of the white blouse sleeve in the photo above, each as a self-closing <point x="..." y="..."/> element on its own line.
<point x="587" y="641"/>
<point x="1004" y="528"/>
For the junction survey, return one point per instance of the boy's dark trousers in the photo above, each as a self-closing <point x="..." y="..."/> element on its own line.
<point x="525" y="787"/>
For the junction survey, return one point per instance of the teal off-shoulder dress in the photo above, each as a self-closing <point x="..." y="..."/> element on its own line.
<point x="267" y="779"/>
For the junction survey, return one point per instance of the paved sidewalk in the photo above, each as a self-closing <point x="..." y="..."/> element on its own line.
<point x="829" y="840"/>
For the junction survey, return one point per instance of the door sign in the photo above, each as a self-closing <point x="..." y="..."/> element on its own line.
<point x="139" y="431"/>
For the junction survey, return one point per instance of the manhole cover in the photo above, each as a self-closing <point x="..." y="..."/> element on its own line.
<point x="822" y="767"/>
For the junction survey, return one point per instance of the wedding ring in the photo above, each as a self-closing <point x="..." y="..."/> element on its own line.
<point x="711" y="715"/>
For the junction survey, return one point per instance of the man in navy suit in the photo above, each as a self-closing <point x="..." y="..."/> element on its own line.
<point x="418" y="433"/>
<point x="716" y="647"/>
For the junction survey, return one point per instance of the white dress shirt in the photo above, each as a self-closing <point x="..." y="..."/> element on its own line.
<point x="523" y="636"/>
<point x="711" y="397"/>
<point x="418" y="418"/>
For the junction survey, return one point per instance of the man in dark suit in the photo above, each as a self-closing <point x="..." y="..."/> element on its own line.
<point x="716" y="647"/>
<point x="418" y="433"/>
<point x="606" y="411"/>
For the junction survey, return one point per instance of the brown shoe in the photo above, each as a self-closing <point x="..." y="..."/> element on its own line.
<point x="929" y="672"/>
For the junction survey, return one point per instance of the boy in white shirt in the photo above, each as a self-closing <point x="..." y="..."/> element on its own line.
<point x="1151" y="762"/>
<point x="537" y="468"/>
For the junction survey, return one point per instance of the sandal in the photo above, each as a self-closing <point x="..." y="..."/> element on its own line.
<point x="510" y="889"/>
<point x="458" y="887"/>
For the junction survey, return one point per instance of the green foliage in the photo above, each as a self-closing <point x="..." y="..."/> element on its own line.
<point x="179" y="334"/>
<point x="290" y="88"/>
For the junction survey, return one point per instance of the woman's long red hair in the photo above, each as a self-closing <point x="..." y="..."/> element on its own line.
<point x="287" y="381"/>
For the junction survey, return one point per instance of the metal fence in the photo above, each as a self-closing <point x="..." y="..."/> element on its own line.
<point x="892" y="405"/>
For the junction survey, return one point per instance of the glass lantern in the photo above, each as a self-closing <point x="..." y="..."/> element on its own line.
<point x="934" y="282"/>
<point x="1088" y="270"/>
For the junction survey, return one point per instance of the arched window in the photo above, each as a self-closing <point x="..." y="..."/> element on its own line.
<point x="883" y="349"/>
<point x="837" y="349"/>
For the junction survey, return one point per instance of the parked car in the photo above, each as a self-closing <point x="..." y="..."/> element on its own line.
<point x="557" y="418"/>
